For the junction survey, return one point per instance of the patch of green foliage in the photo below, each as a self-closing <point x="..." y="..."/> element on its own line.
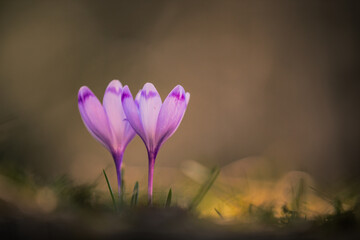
<point x="75" y="196"/>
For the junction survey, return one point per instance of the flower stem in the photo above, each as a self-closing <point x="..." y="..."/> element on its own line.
<point x="118" y="162"/>
<point x="152" y="157"/>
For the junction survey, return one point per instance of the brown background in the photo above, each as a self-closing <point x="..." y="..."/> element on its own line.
<point x="270" y="79"/>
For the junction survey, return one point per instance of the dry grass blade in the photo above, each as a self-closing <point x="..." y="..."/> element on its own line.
<point x="204" y="188"/>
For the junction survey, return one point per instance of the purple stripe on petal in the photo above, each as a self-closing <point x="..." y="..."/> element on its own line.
<point x="177" y="93"/>
<point x="114" y="90"/>
<point x="148" y="94"/>
<point x="84" y="93"/>
<point x="125" y="95"/>
<point x="114" y="87"/>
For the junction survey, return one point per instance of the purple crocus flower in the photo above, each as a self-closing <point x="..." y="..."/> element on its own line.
<point x="153" y="120"/>
<point x="106" y="122"/>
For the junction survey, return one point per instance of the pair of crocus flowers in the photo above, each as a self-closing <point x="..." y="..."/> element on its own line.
<point x="116" y="121"/>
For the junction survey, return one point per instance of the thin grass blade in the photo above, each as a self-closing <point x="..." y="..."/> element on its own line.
<point x="168" y="199"/>
<point x="110" y="190"/>
<point x="135" y="195"/>
<point x="218" y="213"/>
<point x="204" y="188"/>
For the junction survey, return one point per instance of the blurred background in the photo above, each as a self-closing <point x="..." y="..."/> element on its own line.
<point x="274" y="85"/>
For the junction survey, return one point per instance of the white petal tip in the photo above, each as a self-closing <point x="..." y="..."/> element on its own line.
<point x="114" y="87"/>
<point x="115" y="83"/>
<point x="149" y="90"/>
<point x="149" y="86"/>
<point x="187" y="97"/>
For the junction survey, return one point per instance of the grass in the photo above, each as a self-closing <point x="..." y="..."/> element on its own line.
<point x="63" y="208"/>
<point x="83" y="202"/>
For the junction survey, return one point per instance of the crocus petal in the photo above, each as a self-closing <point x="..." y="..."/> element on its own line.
<point x="94" y="116"/>
<point x="121" y="128"/>
<point x="149" y="108"/>
<point x="171" y="114"/>
<point x="137" y="99"/>
<point x="187" y="98"/>
<point x="132" y="112"/>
